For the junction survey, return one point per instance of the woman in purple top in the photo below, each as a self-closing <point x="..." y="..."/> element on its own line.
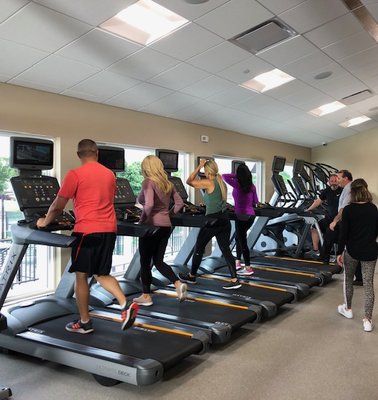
<point x="155" y="197"/>
<point x="245" y="198"/>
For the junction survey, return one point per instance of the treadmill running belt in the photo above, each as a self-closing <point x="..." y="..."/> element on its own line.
<point x="141" y="343"/>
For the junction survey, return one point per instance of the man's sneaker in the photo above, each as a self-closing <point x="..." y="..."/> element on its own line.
<point x="128" y="316"/>
<point x="80" y="327"/>
<point x="182" y="290"/>
<point x="368" y="326"/>
<point x="344" y="311"/>
<point x="143" y="301"/>
<point x="246" y="272"/>
<point x="232" y="285"/>
<point x="187" y="278"/>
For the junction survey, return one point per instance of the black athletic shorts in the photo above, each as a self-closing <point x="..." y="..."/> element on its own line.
<point x="92" y="253"/>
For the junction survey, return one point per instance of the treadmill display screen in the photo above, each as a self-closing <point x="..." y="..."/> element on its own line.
<point x="112" y="158"/>
<point x="31" y="154"/>
<point x="278" y="164"/>
<point x="124" y="193"/>
<point x="235" y="165"/>
<point x="169" y="158"/>
<point x="298" y="166"/>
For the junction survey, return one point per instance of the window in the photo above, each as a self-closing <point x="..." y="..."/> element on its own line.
<point x="37" y="272"/>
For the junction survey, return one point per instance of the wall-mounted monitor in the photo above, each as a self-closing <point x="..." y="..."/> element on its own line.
<point x="112" y="157"/>
<point x="278" y="164"/>
<point x="31" y="153"/>
<point x="235" y="165"/>
<point x="169" y="158"/>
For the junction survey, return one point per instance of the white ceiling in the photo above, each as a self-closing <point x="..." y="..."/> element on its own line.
<point x="194" y="74"/>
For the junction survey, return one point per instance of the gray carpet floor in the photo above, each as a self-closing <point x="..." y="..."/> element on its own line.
<point x="307" y="352"/>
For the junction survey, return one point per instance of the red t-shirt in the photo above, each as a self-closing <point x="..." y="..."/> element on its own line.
<point x="92" y="188"/>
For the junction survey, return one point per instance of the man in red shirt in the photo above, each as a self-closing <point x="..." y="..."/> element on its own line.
<point x="91" y="187"/>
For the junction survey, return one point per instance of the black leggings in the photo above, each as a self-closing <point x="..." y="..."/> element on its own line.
<point x="241" y="229"/>
<point x="221" y="230"/>
<point x="152" y="250"/>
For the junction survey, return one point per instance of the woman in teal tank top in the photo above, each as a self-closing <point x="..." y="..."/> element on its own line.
<point x="215" y="200"/>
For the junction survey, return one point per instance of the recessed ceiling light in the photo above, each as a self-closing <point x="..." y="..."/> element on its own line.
<point x="355" y="121"/>
<point x="327" y="108"/>
<point x="268" y="80"/>
<point x="144" y="22"/>
<point x="323" y="75"/>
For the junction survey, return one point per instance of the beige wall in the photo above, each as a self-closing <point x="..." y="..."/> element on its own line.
<point x="358" y="154"/>
<point x="68" y="120"/>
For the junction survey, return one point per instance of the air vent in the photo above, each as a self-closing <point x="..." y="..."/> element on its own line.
<point x="356" y="97"/>
<point x="263" y="36"/>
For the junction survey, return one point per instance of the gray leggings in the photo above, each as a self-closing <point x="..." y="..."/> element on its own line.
<point x="368" y="268"/>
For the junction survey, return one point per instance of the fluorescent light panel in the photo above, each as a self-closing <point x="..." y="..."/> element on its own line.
<point x="355" y="121"/>
<point x="327" y="108"/>
<point x="144" y="22"/>
<point x="267" y="81"/>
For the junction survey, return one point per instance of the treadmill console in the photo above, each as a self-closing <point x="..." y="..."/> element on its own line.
<point x="189" y="208"/>
<point x="34" y="195"/>
<point x="124" y="202"/>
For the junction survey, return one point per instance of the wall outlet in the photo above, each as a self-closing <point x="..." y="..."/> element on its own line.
<point x="204" y="139"/>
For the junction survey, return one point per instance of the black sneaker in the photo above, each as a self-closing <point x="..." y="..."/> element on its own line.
<point x="80" y="327"/>
<point x="128" y="315"/>
<point x="187" y="278"/>
<point x="232" y="285"/>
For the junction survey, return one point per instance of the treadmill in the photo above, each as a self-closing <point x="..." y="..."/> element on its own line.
<point x="269" y="297"/>
<point x="5" y="392"/>
<point x="137" y="356"/>
<point x="218" y="318"/>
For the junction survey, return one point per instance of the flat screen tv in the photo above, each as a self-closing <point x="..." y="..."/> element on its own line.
<point x="278" y="164"/>
<point x="112" y="157"/>
<point x="31" y="153"/>
<point x="169" y="158"/>
<point x="235" y="165"/>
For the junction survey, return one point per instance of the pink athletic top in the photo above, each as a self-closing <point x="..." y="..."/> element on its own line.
<point x="92" y="188"/>
<point x="156" y="204"/>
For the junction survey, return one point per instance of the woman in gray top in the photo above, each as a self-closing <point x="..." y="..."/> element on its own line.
<point x="155" y="197"/>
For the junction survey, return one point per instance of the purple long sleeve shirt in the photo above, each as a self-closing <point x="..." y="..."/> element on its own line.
<point x="244" y="202"/>
<point x="156" y="204"/>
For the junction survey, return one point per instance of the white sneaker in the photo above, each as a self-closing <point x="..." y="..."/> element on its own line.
<point x="182" y="291"/>
<point x="368" y="326"/>
<point x="143" y="301"/>
<point x="344" y="311"/>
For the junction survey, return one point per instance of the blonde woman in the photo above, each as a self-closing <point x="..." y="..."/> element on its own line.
<point x="215" y="200"/>
<point x="155" y="197"/>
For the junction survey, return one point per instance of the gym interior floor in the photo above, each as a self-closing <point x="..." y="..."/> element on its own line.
<point x="307" y="352"/>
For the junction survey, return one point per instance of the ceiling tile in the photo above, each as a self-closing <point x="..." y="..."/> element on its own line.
<point x="103" y="85"/>
<point x="139" y="96"/>
<point x="190" y="11"/>
<point x="288" y="51"/>
<point x="313" y="13"/>
<point x="170" y="104"/>
<point x="42" y="28"/>
<point x="363" y="64"/>
<point x="351" y="45"/>
<point x="234" y="17"/>
<point x="45" y="73"/>
<point x="278" y="7"/>
<point x="236" y="94"/>
<point x="179" y="77"/>
<point x="373" y="10"/>
<point x="144" y="64"/>
<point x="16" y="58"/>
<point x="193" y="112"/>
<point x="99" y="48"/>
<point x="93" y="12"/>
<point x="219" y="57"/>
<point x="9" y="7"/>
<point x="208" y="87"/>
<point x="245" y="69"/>
<point x="334" y="31"/>
<point x="187" y="42"/>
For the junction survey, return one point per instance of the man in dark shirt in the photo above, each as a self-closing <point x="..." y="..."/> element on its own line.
<point x="330" y="196"/>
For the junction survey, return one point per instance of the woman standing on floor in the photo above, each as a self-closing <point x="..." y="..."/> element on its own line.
<point x="359" y="231"/>
<point x="245" y="198"/>
<point x="215" y="200"/>
<point x="155" y="197"/>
